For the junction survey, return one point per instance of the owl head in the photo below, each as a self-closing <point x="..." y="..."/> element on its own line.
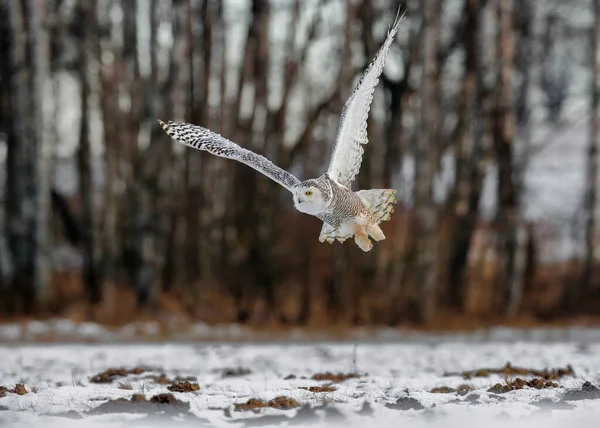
<point x="312" y="196"/>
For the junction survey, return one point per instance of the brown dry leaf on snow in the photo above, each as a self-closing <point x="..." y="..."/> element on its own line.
<point x="510" y="370"/>
<point x="335" y="377"/>
<point x="19" y="389"/>
<point x="253" y="404"/>
<point x="322" y="388"/>
<point x="107" y="376"/>
<point x="519" y="383"/>
<point x="183" y="387"/>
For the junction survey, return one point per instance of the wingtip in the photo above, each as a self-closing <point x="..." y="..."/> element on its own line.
<point x="400" y="14"/>
<point x="166" y="126"/>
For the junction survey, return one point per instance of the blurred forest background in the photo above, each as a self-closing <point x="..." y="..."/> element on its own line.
<point x="486" y="120"/>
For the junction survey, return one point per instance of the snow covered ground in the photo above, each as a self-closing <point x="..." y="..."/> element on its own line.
<point x="393" y="387"/>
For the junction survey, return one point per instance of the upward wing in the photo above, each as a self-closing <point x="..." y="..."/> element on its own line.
<point x="352" y="129"/>
<point x="201" y="138"/>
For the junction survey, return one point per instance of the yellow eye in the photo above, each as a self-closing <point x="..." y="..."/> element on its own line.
<point x="308" y="193"/>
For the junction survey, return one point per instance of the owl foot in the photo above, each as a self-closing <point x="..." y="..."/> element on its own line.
<point x="363" y="242"/>
<point x="375" y="232"/>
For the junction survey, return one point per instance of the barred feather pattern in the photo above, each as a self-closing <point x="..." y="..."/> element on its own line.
<point x="352" y="129"/>
<point x="380" y="201"/>
<point x="201" y="138"/>
<point x="345" y="205"/>
<point x="371" y="206"/>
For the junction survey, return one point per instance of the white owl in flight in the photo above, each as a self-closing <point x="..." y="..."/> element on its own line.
<point x="344" y="213"/>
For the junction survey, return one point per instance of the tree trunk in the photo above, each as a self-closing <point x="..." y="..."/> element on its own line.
<point x="459" y="200"/>
<point x="252" y="193"/>
<point x="111" y="239"/>
<point x="470" y="169"/>
<point x="6" y="264"/>
<point x="38" y="49"/>
<point x="404" y="240"/>
<point x="151" y="218"/>
<point x="196" y="162"/>
<point x="554" y="68"/>
<point x="426" y="162"/>
<point x="19" y="198"/>
<point x="504" y="136"/>
<point x="524" y="55"/>
<point x="262" y="254"/>
<point x="87" y="30"/>
<point x="142" y="213"/>
<point x="143" y="245"/>
<point x="591" y="192"/>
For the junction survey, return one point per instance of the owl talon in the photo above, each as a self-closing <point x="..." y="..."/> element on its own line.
<point x="363" y="242"/>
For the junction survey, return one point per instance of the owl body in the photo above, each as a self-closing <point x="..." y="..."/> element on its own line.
<point x="329" y="197"/>
<point x="345" y="213"/>
<point x="328" y="200"/>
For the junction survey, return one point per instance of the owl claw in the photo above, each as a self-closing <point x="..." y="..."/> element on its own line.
<point x="363" y="242"/>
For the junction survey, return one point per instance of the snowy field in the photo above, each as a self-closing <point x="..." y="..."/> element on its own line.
<point x="388" y="384"/>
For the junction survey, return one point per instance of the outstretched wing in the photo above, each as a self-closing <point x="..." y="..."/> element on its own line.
<point x="201" y="138"/>
<point x="352" y="129"/>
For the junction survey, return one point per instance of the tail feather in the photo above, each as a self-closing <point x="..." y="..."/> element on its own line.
<point x="380" y="201"/>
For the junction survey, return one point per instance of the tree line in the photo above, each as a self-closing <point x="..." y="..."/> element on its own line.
<point x="166" y="221"/>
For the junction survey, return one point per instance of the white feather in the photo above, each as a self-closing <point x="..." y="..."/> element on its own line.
<point x="352" y="129"/>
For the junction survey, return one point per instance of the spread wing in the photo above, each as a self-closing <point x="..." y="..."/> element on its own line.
<point x="201" y="138"/>
<point x="352" y="129"/>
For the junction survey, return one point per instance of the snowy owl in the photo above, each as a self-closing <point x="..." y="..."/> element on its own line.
<point x="344" y="213"/>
